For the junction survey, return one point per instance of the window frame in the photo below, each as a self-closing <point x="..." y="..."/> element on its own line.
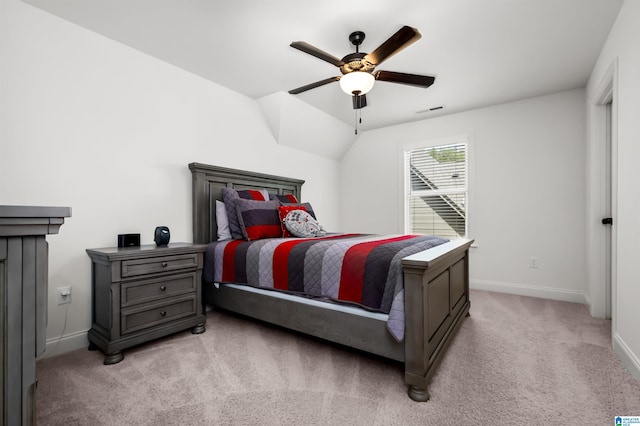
<point x="405" y="192"/>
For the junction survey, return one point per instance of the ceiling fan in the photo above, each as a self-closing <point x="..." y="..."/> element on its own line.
<point x="357" y="68"/>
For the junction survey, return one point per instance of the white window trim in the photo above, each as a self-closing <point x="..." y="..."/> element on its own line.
<point x="467" y="138"/>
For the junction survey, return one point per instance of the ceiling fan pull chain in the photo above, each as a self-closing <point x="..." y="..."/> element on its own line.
<point x="358" y="119"/>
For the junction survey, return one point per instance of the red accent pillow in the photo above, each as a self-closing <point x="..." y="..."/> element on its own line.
<point x="282" y="212"/>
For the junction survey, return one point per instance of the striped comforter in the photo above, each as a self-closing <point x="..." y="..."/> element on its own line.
<point x="362" y="269"/>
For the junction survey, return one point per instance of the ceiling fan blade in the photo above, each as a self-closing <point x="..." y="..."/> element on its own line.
<point x="359" y="101"/>
<point x="402" y="78"/>
<point x="404" y="37"/>
<point x="314" y="51"/>
<point x="313" y="85"/>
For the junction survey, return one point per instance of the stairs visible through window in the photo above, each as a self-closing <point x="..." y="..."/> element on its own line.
<point x="437" y="184"/>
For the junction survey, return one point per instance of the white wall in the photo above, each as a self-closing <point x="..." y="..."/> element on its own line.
<point x="527" y="190"/>
<point x="622" y="48"/>
<point x="89" y="123"/>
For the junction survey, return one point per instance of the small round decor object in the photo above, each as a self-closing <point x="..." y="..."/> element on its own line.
<point x="161" y="236"/>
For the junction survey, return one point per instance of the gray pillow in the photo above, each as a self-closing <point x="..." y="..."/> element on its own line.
<point x="229" y="196"/>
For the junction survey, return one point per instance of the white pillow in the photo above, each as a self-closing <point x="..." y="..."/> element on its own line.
<point x="222" y="220"/>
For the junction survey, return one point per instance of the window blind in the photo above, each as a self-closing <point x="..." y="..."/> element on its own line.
<point x="437" y="182"/>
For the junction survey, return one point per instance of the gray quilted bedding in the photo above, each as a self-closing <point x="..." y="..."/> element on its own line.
<point x="351" y="268"/>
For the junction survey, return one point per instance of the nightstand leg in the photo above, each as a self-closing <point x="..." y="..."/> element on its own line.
<point x="92" y="347"/>
<point x="113" y="358"/>
<point x="198" y="329"/>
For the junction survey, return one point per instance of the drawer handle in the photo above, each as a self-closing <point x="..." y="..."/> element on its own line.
<point x="165" y="264"/>
<point x="163" y="313"/>
<point x="163" y="288"/>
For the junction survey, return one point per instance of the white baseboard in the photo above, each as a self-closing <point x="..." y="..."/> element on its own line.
<point x="626" y="356"/>
<point x="67" y="343"/>
<point x="529" y="290"/>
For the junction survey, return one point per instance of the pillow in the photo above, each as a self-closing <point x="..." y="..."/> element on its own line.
<point x="285" y="198"/>
<point x="254" y="194"/>
<point x="229" y="195"/>
<point x="258" y="219"/>
<point x="306" y="206"/>
<point x="222" y="220"/>
<point x="302" y="224"/>
<point x="282" y="213"/>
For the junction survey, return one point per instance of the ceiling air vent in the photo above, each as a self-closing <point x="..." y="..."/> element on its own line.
<point x="432" y="109"/>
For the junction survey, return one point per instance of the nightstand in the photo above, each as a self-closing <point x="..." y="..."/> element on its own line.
<point x="143" y="293"/>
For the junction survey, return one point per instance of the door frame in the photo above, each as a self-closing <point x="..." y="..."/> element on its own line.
<point x="605" y="93"/>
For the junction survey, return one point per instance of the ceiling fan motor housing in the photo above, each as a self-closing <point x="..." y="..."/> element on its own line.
<point x="356" y="62"/>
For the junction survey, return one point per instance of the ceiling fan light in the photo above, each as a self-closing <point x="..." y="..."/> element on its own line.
<point x="357" y="81"/>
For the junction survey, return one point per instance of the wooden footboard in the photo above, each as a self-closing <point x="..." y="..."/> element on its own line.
<point x="436" y="286"/>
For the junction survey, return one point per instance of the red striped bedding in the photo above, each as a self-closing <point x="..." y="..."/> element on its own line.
<point x="353" y="268"/>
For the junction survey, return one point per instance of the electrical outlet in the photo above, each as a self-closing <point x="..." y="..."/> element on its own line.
<point x="64" y="295"/>
<point x="533" y="262"/>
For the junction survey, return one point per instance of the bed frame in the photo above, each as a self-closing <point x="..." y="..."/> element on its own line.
<point x="436" y="289"/>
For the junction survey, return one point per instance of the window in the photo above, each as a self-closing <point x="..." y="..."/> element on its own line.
<point x="437" y="190"/>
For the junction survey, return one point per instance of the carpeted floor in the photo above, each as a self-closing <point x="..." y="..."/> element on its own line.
<point x="515" y="361"/>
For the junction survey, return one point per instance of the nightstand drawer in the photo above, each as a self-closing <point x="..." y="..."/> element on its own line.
<point x="144" y="291"/>
<point x="135" y="319"/>
<point x="152" y="265"/>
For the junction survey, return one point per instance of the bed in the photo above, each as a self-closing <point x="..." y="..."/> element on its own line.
<point x="436" y="289"/>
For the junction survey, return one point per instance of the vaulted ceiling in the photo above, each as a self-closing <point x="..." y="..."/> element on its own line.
<point x="482" y="52"/>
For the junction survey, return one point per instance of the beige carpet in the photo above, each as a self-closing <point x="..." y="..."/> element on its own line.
<point x="515" y="361"/>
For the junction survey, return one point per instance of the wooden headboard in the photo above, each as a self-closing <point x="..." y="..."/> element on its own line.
<point x="207" y="184"/>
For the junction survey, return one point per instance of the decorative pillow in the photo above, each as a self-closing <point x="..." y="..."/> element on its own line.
<point x="229" y="196"/>
<point x="285" y="198"/>
<point x="302" y="224"/>
<point x="306" y="206"/>
<point x="254" y="194"/>
<point x="258" y="219"/>
<point x="222" y="220"/>
<point x="282" y="213"/>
